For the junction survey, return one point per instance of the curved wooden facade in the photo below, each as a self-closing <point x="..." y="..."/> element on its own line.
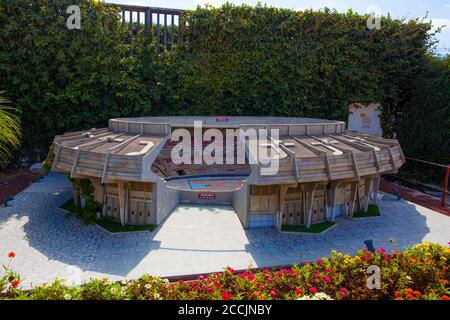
<point x="323" y="169"/>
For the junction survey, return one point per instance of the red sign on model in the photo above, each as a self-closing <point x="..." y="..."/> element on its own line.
<point x="207" y="196"/>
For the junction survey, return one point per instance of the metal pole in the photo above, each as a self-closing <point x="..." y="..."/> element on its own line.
<point x="444" y="192"/>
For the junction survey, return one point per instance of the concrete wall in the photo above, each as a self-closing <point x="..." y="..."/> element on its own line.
<point x="240" y="203"/>
<point x="166" y="200"/>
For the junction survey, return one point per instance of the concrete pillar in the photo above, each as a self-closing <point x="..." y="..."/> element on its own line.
<point x="375" y="189"/>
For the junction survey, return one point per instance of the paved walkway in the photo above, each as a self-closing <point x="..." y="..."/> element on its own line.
<point x="191" y="240"/>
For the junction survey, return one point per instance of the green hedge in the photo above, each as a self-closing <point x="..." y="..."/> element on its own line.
<point x="65" y="79"/>
<point x="236" y="60"/>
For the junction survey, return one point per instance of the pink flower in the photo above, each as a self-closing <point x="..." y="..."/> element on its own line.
<point x="273" y="294"/>
<point x="343" y="292"/>
<point x="201" y="277"/>
<point x="270" y="280"/>
<point x="313" y="290"/>
<point x="328" y="270"/>
<point x="262" y="288"/>
<point x="381" y="250"/>
<point x="209" y="289"/>
<point x="319" y="261"/>
<point x="327" y="279"/>
<point x="231" y="269"/>
<point x="180" y="281"/>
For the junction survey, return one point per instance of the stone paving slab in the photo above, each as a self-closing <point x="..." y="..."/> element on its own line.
<point x="191" y="240"/>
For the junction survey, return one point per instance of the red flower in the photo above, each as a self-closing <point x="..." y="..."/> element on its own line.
<point x="444" y="297"/>
<point x="313" y="290"/>
<point x="409" y="296"/>
<point x="327" y="279"/>
<point x="231" y="269"/>
<point x="343" y="292"/>
<point x="398" y="293"/>
<point x="11" y="254"/>
<point x="417" y="293"/>
<point x="262" y="288"/>
<point x="328" y="270"/>
<point x="15" y="283"/>
<point x="273" y="294"/>
<point x="319" y="261"/>
<point x="398" y="298"/>
<point x="201" y="277"/>
<point x="226" y="296"/>
<point x="270" y="280"/>
<point x="299" y="291"/>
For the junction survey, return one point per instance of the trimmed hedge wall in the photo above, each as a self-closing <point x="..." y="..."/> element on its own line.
<point x="65" y="79"/>
<point x="236" y="60"/>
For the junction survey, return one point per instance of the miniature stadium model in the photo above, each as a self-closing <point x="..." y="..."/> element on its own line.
<point x="323" y="171"/>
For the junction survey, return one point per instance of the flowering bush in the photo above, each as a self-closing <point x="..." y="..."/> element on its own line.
<point x="420" y="272"/>
<point x="9" y="281"/>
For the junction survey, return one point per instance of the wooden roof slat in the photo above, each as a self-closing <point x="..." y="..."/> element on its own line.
<point x="309" y="146"/>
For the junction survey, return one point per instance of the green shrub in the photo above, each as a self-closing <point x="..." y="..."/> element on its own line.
<point x="66" y="80"/>
<point x="88" y="212"/>
<point x="372" y="211"/>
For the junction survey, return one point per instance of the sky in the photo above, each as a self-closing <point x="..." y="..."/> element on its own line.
<point x="438" y="11"/>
